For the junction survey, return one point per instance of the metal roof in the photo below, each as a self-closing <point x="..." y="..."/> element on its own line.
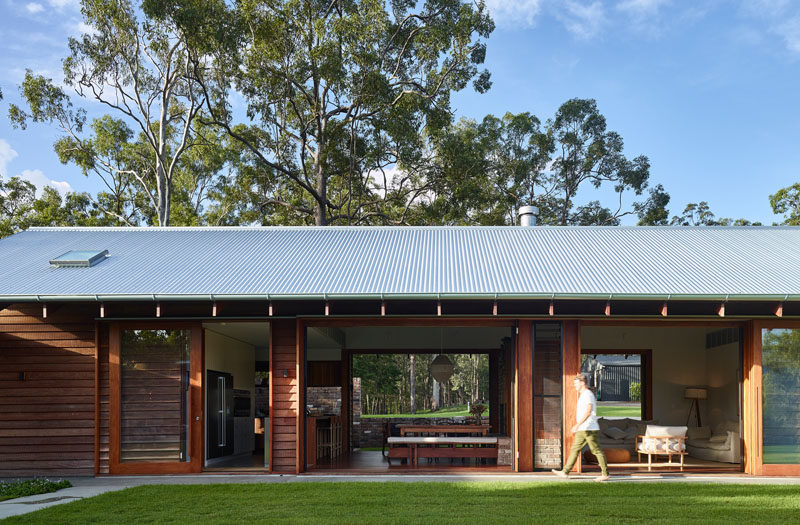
<point x="407" y="262"/>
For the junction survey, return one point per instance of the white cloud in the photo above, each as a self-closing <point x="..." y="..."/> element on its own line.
<point x="585" y="21"/>
<point x="643" y="15"/>
<point x="790" y="32"/>
<point x="641" y="6"/>
<point x="7" y="154"/>
<point x="34" y="8"/>
<point x="514" y="12"/>
<point x="79" y="27"/>
<point x="61" y="4"/>
<point x="781" y="18"/>
<point x="40" y="180"/>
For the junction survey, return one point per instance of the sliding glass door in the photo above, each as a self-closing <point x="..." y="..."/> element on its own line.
<point x="780" y="369"/>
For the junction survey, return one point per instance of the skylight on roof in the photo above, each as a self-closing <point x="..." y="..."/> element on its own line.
<point x="79" y="258"/>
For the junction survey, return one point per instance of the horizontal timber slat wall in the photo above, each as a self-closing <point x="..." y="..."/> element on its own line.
<point x="47" y="391"/>
<point x="283" y="421"/>
<point x="103" y="435"/>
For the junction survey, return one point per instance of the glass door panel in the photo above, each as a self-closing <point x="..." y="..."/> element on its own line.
<point x="154" y="396"/>
<point x="780" y="369"/>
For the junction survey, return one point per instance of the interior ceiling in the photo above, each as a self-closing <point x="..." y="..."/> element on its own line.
<point x="424" y="337"/>
<point x="256" y="334"/>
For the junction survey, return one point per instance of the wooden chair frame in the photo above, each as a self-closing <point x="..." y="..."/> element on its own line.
<point x="666" y="452"/>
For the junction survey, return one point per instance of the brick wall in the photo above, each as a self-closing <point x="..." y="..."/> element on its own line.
<point x="547" y="453"/>
<point x="324" y="399"/>
<point x="355" y="434"/>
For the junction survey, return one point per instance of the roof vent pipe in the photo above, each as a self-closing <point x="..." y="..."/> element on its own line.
<point x="527" y="215"/>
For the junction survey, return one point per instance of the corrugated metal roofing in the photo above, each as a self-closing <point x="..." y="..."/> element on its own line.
<point x="408" y="261"/>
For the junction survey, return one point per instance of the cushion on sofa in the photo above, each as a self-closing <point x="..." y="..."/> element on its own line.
<point x="698" y="433"/>
<point x="661" y="444"/>
<point x="665" y="431"/>
<point x="718" y="438"/>
<point x="724" y="427"/>
<point x="615" y="433"/>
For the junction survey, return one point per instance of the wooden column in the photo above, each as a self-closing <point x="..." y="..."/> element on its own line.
<point x="571" y="366"/>
<point x="523" y="410"/>
<point x="347" y="397"/>
<point x="751" y="399"/>
<point x="300" y="371"/>
<point x="494" y="391"/>
<point x="285" y="398"/>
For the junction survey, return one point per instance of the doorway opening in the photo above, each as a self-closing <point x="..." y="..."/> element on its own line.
<point x="621" y="381"/>
<point x="682" y="382"/>
<point x="236" y="389"/>
<point x="394" y="399"/>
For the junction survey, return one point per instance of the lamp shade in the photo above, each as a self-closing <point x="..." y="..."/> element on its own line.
<point x="442" y="368"/>
<point x="695" y="393"/>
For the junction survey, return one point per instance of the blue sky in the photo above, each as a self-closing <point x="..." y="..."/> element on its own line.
<point x="708" y="90"/>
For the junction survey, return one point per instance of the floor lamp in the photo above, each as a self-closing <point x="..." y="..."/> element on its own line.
<point x="695" y="394"/>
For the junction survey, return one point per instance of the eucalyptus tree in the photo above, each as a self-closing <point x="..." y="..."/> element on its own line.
<point x="484" y="171"/>
<point x="340" y="95"/>
<point x="135" y="64"/>
<point x="786" y="202"/>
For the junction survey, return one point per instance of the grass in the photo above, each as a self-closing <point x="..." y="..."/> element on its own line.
<point x="30" y="487"/>
<point x="605" y="411"/>
<point x="453" y="411"/>
<point x="781" y="454"/>
<point x="432" y="503"/>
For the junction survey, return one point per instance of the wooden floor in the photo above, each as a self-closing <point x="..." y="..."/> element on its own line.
<point x="240" y="463"/>
<point x="690" y="465"/>
<point x="373" y="462"/>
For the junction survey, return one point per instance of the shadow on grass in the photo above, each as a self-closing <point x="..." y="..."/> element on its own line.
<point x="434" y="502"/>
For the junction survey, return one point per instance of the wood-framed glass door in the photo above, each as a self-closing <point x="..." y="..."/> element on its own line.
<point x="155" y="396"/>
<point x="772" y="399"/>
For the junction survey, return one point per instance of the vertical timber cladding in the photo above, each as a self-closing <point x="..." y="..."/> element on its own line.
<point x="571" y="364"/>
<point x="523" y="381"/>
<point x="284" y="402"/>
<point x="47" y="391"/>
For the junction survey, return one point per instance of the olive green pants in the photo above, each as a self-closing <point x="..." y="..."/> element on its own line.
<point x="584" y="437"/>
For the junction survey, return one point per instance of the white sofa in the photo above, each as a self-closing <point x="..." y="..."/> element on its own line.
<point x="722" y="443"/>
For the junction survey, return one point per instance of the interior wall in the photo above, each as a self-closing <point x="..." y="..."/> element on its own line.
<point x="680" y="360"/>
<point x="425" y="337"/>
<point x="225" y="354"/>
<point x="722" y="365"/>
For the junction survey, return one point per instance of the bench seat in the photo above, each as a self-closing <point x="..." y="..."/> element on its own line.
<point x="435" y="440"/>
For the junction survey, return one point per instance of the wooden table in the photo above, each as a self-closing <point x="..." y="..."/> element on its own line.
<point x="443" y="429"/>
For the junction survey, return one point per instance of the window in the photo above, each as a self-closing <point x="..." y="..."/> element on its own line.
<point x="154" y="370"/>
<point x="780" y="366"/>
<point x="79" y="258"/>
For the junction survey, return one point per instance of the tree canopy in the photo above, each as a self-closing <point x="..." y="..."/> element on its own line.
<point x="317" y="112"/>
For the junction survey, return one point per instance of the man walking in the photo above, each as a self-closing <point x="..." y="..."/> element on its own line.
<point x="585" y="430"/>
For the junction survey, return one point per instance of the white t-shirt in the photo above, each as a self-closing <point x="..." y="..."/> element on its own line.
<point x="587" y="399"/>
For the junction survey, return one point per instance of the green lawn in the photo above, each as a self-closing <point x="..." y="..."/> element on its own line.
<point x="619" y="411"/>
<point x="461" y="410"/>
<point x="454" y="411"/>
<point x="431" y="503"/>
<point x="782" y="454"/>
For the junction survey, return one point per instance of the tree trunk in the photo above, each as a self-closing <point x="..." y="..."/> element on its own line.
<point x="475" y="384"/>
<point x="320" y="218"/>
<point x="412" y="384"/>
